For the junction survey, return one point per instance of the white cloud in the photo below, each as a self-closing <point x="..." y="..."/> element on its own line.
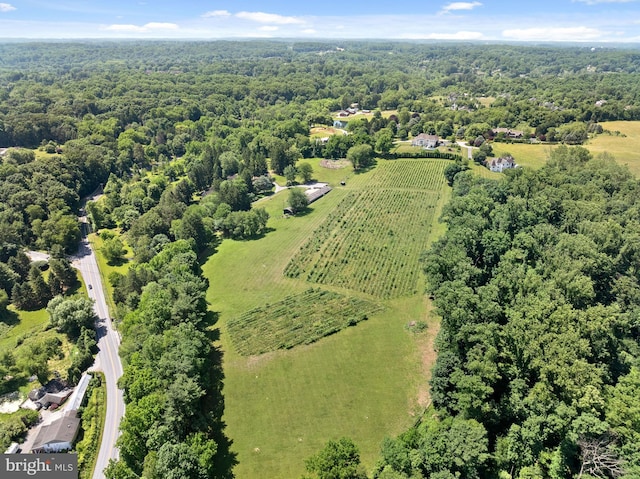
<point x="216" y="13"/>
<point x="554" y="34"/>
<point x="463" y="35"/>
<point x="268" y="28"/>
<point x="460" y="6"/>
<point x="6" y="7"/>
<point x="262" y="17"/>
<point x="141" y="29"/>
<point x="310" y="31"/>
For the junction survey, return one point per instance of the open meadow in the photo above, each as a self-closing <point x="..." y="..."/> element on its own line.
<point x="355" y="376"/>
<point x="621" y="140"/>
<point x="624" y="147"/>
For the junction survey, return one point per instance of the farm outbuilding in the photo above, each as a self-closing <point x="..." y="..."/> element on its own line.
<point x="314" y="194"/>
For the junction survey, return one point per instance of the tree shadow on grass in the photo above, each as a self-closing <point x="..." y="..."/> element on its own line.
<point x="10" y="318"/>
<point x="225" y="460"/>
<point x="115" y="262"/>
<point x="14" y="383"/>
<point x="366" y="169"/>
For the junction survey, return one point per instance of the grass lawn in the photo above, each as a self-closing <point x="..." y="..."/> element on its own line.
<point x="29" y="324"/>
<point x="365" y="382"/>
<point x="333" y="176"/>
<point x="486" y="100"/>
<point x="531" y="155"/>
<point x="625" y="149"/>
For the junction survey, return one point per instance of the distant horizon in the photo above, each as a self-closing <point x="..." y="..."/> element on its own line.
<point x="573" y="21"/>
<point x="336" y="41"/>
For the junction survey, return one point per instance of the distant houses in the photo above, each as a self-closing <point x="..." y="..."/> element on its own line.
<point x="426" y="141"/>
<point x="507" y="133"/>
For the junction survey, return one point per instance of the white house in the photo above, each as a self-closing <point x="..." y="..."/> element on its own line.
<point x="500" y="164"/>
<point x="426" y="141"/>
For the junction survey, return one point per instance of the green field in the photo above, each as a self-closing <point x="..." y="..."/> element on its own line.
<point x="625" y="147"/>
<point x="530" y="155"/>
<point x="298" y="319"/>
<point x="364" y="382"/>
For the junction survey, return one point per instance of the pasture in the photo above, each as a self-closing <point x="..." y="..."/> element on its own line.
<point x="624" y="147"/>
<point x="620" y="140"/>
<point x="525" y="154"/>
<point x="365" y="382"/>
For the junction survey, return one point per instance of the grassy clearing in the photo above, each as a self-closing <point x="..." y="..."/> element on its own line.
<point x="623" y="147"/>
<point x="333" y="176"/>
<point x="318" y="132"/>
<point x="530" y="155"/>
<point x="297" y="319"/>
<point x="29" y="324"/>
<point x="486" y="100"/>
<point x="365" y="382"/>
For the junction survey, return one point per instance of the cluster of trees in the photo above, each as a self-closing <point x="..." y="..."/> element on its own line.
<point x="537" y="284"/>
<point x="23" y="283"/>
<point x="75" y="317"/>
<point x="172" y="375"/>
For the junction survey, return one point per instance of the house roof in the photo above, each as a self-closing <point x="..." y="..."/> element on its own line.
<point x="315" y="193"/>
<point x="63" y="429"/>
<point x="55" y="398"/>
<point x="508" y="132"/>
<point x="424" y="136"/>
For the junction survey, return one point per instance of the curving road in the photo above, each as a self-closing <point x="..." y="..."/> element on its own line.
<point x="107" y="359"/>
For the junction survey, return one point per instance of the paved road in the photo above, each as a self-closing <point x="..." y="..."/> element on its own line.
<point x="107" y="359"/>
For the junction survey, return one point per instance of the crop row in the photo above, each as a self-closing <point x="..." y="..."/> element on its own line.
<point x="411" y="174"/>
<point x="375" y="247"/>
<point x="298" y="319"/>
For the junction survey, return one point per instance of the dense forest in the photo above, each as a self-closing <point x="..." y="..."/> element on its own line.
<point x="536" y="282"/>
<point x="536" y="278"/>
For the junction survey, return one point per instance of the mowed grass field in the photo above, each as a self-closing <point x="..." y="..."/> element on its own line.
<point x="367" y="381"/>
<point x="530" y="155"/>
<point x="625" y="149"/>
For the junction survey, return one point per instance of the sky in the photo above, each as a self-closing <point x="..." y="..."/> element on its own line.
<point x="587" y="21"/>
